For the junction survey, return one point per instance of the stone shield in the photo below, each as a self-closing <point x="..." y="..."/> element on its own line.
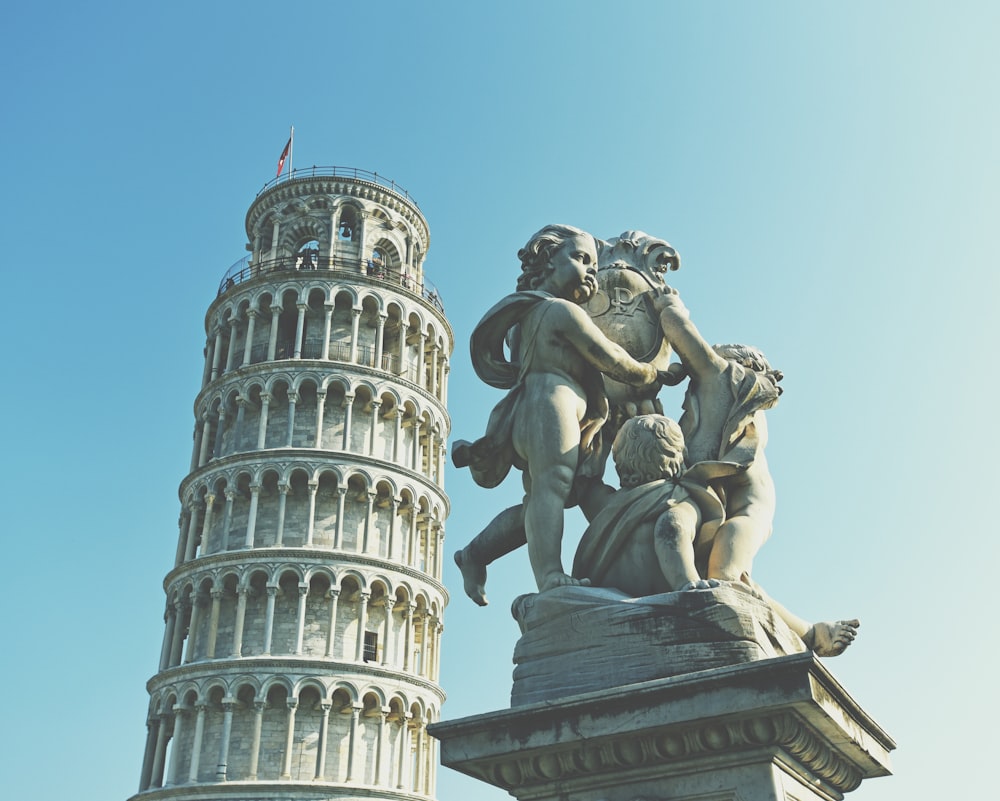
<point x="623" y="309"/>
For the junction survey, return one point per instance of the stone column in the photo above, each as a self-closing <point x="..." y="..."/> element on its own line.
<point x="171" y="777"/>
<point x="355" y="322"/>
<point x="178" y="634"/>
<point x="227" y="729"/>
<point x="293" y="398"/>
<point x="445" y="371"/>
<point x="428" y="565"/>
<point x="146" y="776"/>
<point x="434" y="369"/>
<point x="380" y="745"/>
<point x="348" y="411"/>
<point x="196" y="603"/>
<point x="227" y="518"/>
<point x="311" y="525"/>
<point x="397" y="433"/>
<point x="170" y="621"/>
<point x="272" y="341"/>
<point x="402" y="347"/>
<point x="327" y="324"/>
<point x="252" y="516"/>
<point x="408" y="636"/>
<point x="286" y="765"/>
<point x="213" y="624"/>
<point x="368" y="521"/>
<point x="300" y="327"/>
<point x="248" y="345"/>
<point x="422" y="367"/>
<point x="404" y="750"/>
<point x="162" y="738"/>
<point x="386" y="630"/>
<point x="393" y="527"/>
<point x="206" y="524"/>
<point x="418" y="763"/>
<point x="241" y="416"/>
<point x="320" y="413"/>
<point x="283" y="490"/>
<point x="300" y="618"/>
<point x="241" y="616"/>
<point x="379" y="335"/>
<point x="411" y="551"/>
<point x="331" y="635"/>
<point x="269" y="618"/>
<point x="258" y="723"/>
<point x="351" y="742"/>
<point x="415" y="455"/>
<point x="359" y="647"/>
<point x="425" y="645"/>
<point x="265" y="402"/>
<point x="206" y="374"/>
<point x="216" y="353"/>
<point x="373" y="430"/>
<point x="324" y="731"/>
<point x="191" y="543"/>
<point x="231" y="353"/>
<point x="339" y="532"/>
<point x="206" y="432"/>
<point x="199" y="734"/>
<point x="196" y="450"/>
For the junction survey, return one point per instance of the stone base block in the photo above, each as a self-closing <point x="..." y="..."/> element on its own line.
<point x="778" y="729"/>
<point x="581" y="639"/>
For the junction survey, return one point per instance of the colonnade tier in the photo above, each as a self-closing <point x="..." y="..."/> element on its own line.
<point x="264" y="412"/>
<point x="346" y="612"/>
<point x="307" y="318"/>
<point x="289" y="729"/>
<point x="328" y="508"/>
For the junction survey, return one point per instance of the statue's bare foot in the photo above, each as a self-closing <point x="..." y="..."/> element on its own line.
<point x="473" y="576"/>
<point x="831" y="639"/>
<point x="559" y="579"/>
<point x="700" y="584"/>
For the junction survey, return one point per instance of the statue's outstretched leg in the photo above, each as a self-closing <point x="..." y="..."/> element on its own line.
<point x="504" y="534"/>
<point x="831" y="639"/>
<point x="823" y="639"/>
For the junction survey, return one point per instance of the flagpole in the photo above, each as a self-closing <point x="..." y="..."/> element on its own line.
<point x="291" y="150"/>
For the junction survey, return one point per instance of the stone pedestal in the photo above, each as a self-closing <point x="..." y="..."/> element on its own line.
<point x="779" y="728"/>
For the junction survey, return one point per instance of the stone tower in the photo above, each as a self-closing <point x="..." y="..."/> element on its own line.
<point x="304" y="609"/>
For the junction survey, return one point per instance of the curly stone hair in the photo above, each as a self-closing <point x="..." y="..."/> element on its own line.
<point x="746" y="355"/>
<point x="535" y="255"/>
<point x="648" y="447"/>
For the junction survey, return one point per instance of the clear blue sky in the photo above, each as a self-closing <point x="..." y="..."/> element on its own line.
<point x="828" y="171"/>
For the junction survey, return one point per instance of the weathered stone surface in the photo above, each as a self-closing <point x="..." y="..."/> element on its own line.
<point x="580" y="639"/>
<point x="772" y="730"/>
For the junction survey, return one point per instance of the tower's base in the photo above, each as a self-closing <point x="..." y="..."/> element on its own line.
<point x="780" y="728"/>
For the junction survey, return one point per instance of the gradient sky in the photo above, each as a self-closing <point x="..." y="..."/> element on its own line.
<point x="828" y="172"/>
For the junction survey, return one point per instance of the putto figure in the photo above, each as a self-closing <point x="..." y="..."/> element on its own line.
<point x="549" y="424"/>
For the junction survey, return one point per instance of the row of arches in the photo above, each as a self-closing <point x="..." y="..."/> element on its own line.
<point x="306" y="505"/>
<point x="329" y="413"/>
<point x="285" y="730"/>
<point x="329" y="322"/>
<point x="264" y="610"/>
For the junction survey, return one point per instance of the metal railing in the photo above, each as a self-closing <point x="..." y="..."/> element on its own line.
<point x="352" y="269"/>
<point x="340" y="172"/>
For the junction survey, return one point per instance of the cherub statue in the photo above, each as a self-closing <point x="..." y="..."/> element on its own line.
<point x="643" y="541"/>
<point x="548" y="425"/>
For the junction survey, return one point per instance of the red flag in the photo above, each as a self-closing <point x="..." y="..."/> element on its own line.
<point x="284" y="155"/>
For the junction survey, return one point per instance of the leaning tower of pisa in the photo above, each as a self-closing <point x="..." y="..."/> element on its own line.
<point x="304" y="608"/>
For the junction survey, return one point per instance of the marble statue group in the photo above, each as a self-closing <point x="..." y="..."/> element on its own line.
<point x="582" y="349"/>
